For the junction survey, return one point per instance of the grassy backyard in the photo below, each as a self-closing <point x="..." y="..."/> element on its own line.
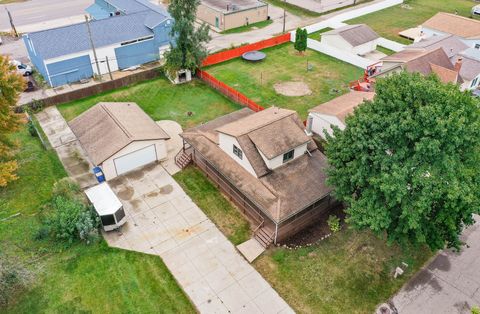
<point x="214" y="205"/>
<point x="388" y="22"/>
<point x="249" y="27"/>
<point x="350" y="272"/>
<point x="162" y="100"/>
<point x="327" y="77"/>
<point x="83" y="278"/>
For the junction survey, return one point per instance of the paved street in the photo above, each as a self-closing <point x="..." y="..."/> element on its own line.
<point x="449" y="284"/>
<point x="164" y="221"/>
<point x="38" y="11"/>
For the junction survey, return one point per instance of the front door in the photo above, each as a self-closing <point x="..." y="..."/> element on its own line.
<point x="217" y="22"/>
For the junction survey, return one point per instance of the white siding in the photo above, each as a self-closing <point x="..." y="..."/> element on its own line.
<point x="278" y="161"/>
<point x="365" y="48"/>
<point x="321" y="122"/>
<point x="226" y="143"/>
<point x="337" y="42"/>
<point x="108" y="165"/>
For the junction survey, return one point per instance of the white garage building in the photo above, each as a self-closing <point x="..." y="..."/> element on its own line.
<point x="119" y="137"/>
<point x="358" y="39"/>
<point x="334" y="112"/>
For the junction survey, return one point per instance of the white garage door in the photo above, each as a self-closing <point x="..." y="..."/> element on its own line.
<point x="135" y="159"/>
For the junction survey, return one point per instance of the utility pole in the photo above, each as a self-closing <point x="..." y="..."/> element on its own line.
<point x="11" y="22"/>
<point x="93" y="47"/>
<point x="284" y="16"/>
<point x="109" y="71"/>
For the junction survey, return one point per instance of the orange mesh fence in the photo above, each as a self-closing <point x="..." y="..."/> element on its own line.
<point x="228" y="91"/>
<point x="237" y="52"/>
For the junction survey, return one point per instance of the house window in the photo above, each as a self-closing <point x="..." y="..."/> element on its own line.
<point x="288" y="156"/>
<point x="237" y="152"/>
<point x="477" y="46"/>
<point x="474" y="82"/>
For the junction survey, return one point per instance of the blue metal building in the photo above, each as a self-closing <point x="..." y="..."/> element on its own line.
<point x="125" y="33"/>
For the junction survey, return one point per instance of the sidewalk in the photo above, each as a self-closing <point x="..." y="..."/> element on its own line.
<point x="449" y="284"/>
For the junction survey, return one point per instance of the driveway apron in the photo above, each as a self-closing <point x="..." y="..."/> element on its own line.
<point x="162" y="220"/>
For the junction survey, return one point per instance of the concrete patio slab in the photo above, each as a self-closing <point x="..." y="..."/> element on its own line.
<point x="174" y="144"/>
<point x="166" y="222"/>
<point x="251" y="249"/>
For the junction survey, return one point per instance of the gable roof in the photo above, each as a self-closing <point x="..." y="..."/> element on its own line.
<point x="454" y="24"/>
<point x="144" y="16"/>
<point x="272" y="193"/>
<point x="451" y="44"/>
<point x="423" y="62"/>
<point x="355" y="35"/>
<point x="470" y="66"/>
<point x="106" y="128"/>
<point x="445" y="75"/>
<point x="344" y="105"/>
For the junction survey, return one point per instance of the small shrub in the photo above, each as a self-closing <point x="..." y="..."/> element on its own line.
<point x="72" y="220"/>
<point x="475" y="310"/>
<point x="18" y="109"/>
<point x="42" y="233"/>
<point x="67" y="188"/>
<point x="333" y="223"/>
<point x="35" y="106"/>
<point x="13" y="278"/>
<point x="31" y="128"/>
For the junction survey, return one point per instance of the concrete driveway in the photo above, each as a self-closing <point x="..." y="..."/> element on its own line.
<point x="449" y="284"/>
<point x="163" y="220"/>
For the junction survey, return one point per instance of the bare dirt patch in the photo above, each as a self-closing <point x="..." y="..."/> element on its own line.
<point x="292" y="89"/>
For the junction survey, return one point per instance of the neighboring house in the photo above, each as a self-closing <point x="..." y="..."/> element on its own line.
<point x="358" y="39"/>
<point x="470" y="68"/>
<point x="467" y="59"/>
<point x="424" y="62"/>
<point x="119" y="137"/>
<point x="451" y="44"/>
<point x="225" y="15"/>
<point x="267" y="165"/>
<point x="445" y="23"/>
<point x="333" y="113"/>
<point x="125" y="33"/>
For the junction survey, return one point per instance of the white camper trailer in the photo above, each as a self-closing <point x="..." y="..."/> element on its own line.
<point x="107" y="205"/>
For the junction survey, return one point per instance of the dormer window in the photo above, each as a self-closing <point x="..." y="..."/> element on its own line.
<point x="237" y="152"/>
<point x="288" y="156"/>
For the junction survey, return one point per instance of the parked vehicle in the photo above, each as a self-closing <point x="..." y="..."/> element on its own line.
<point x="22" y="68"/>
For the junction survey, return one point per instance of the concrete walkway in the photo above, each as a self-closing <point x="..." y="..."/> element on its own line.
<point x="68" y="148"/>
<point x="449" y="284"/>
<point x="162" y="220"/>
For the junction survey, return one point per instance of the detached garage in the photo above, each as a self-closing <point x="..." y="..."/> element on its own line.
<point x="119" y="137"/>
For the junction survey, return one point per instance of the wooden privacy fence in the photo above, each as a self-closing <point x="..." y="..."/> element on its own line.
<point x="228" y="91"/>
<point x="237" y="52"/>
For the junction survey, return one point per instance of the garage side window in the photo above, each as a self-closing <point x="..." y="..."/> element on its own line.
<point x="107" y="220"/>
<point x="119" y="214"/>
<point x="237" y="152"/>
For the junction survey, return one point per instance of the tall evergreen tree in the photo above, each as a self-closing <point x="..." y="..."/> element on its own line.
<point x="301" y="36"/>
<point x="11" y="84"/>
<point x="407" y="163"/>
<point x="188" y="50"/>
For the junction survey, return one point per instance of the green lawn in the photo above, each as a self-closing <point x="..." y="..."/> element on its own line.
<point x="327" y="79"/>
<point x="249" y="27"/>
<point x="84" y="278"/>
<point x="293" y="9"/>
<point x="317" y="35"/>
<point x="225" y="215"/>
<point x="350" y="272"/>
<point x="163" y="100"/>
<point x="389" y="22"/>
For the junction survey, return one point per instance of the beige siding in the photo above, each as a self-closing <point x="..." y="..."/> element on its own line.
<point x="108" y="165"/>
<point x="228" y="21"/>
<point x="237" y="19"/>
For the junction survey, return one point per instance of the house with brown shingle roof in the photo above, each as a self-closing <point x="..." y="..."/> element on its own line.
<point x="324" y="117"/>
<point x="358" y="39"/>
<point x="442" y="23"/>
<point x="267" y="165"/>
<point x="119" y="137"/>
<point x="424" y="62"/>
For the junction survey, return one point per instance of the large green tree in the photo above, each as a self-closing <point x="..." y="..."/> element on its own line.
<point x="407" y="164"/>
<point x="11" y="84"/>
<point x="188" y="50"/>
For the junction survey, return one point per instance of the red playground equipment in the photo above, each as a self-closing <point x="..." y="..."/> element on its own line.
<point x="366" y="83"/>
